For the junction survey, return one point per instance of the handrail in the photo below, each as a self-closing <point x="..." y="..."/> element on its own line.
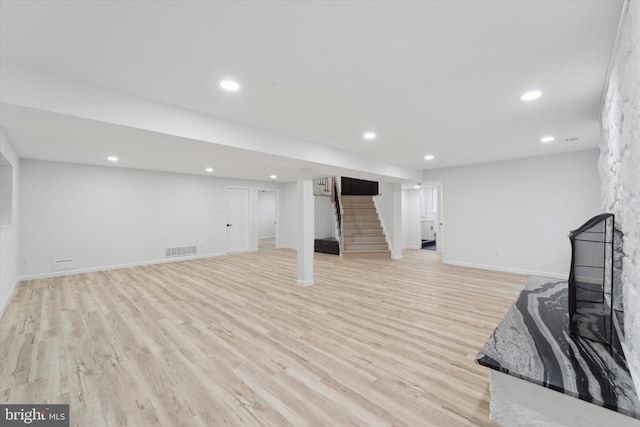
<point x="336" y="199"/>
<point x="324" y="183"/>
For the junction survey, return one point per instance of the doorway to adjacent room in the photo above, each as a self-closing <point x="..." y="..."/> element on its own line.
<point x="267" y="219"/>
<point x="429" y="218"/>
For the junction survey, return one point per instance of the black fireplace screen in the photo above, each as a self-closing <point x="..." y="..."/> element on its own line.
<point x="591" y="278"/>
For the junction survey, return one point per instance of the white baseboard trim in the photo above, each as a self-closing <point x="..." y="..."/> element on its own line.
<point x="507" y="269"/>
<point x="396" y="256"/>
<point x="115" y="266"/>
<point x="5" y="304"/>
<point x="305" y="282"/>
<point x="412" y="247"/>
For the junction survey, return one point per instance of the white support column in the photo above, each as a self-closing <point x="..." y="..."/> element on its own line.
<point x="397" y="243"/>
<point x="305" y="227"/>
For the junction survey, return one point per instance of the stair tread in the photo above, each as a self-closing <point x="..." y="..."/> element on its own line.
<point x="364" y="243"/>
<point x="367" y="251"/>
<point x="356" y="234"/>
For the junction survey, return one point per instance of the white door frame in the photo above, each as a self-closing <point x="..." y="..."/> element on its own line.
<point x="440" y="224"/>
<point x="439" y="212"/>
<point x="226" y="217"/>
<point x="275" y="190"/>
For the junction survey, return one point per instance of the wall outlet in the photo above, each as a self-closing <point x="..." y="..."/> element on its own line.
<point x="498" y="252"/>
<point x="25" y="260"/>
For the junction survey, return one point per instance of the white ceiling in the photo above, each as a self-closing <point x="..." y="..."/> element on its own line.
<point x="429" y="77"/>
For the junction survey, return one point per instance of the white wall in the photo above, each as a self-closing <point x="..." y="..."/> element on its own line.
<point x="389" y="204"/>
<point x="110" y="216"/>
<point x="620" y="171"/>
<point x="266" y="214"/>
<point x="9" y="234"/>
<point x="288" y="216"/>
<point x="411" y="219"/>
<point x="324" y="217"/>
<point x="515" y="215"/>
<point x="427" y="206"/>
<point x="6" y="191"/>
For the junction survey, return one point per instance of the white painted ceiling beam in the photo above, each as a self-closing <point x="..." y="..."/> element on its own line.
<point x="38" y="90"/>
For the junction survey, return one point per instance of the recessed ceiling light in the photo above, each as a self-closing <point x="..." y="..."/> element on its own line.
<point x="209" y="169"/>
<point x="369" y="135"/>
<point x="273" y="176"/>
<point x="229" y="85"/>
<point x="429" y="157"/>
<point x="547" y="139"/>
<point x="530" y="96"/>
<point x="112" y="158"/>
<point x="416" y="186"/>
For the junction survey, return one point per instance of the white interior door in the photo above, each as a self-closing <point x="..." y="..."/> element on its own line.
<point x="237" y="220"/>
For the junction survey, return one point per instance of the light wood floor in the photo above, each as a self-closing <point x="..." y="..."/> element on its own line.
<point x="267" y="243"/>
<point x="233" y="341"/>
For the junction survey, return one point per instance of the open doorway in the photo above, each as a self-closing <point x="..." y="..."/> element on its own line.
<point x="267" y="219"/>
<point x="429" y="218"/>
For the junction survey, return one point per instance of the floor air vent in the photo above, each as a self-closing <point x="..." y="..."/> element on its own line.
<point x="181" y="251"/>
<point x="63" y="264"/>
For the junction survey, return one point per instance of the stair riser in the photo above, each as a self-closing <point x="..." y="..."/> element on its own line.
<point x="356" y="199"/>
<point x="366" y="255"/>
<point x="356" y="207"/>
<point x="359" y="211"/>
<point x="355" y="247"/>
<point x="361" y="217"/>
<point x="378" y="238"/>
<point x="360" y="224"/>
<point x="362" y="231"/>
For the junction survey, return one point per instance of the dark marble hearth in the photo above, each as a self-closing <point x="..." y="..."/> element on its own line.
<point x="327" y="246"/>
<point x="533" y="342"/>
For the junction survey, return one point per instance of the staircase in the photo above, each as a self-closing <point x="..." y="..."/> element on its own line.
<point x="322" y="186"/>
<point x="362" y="234"/>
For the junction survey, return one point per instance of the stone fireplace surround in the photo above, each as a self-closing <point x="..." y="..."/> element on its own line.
<point x="619" y="167"/>
<point x="515" y="402"/>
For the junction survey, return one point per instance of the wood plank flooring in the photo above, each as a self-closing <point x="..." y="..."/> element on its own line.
<point x="233" y="341"/>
